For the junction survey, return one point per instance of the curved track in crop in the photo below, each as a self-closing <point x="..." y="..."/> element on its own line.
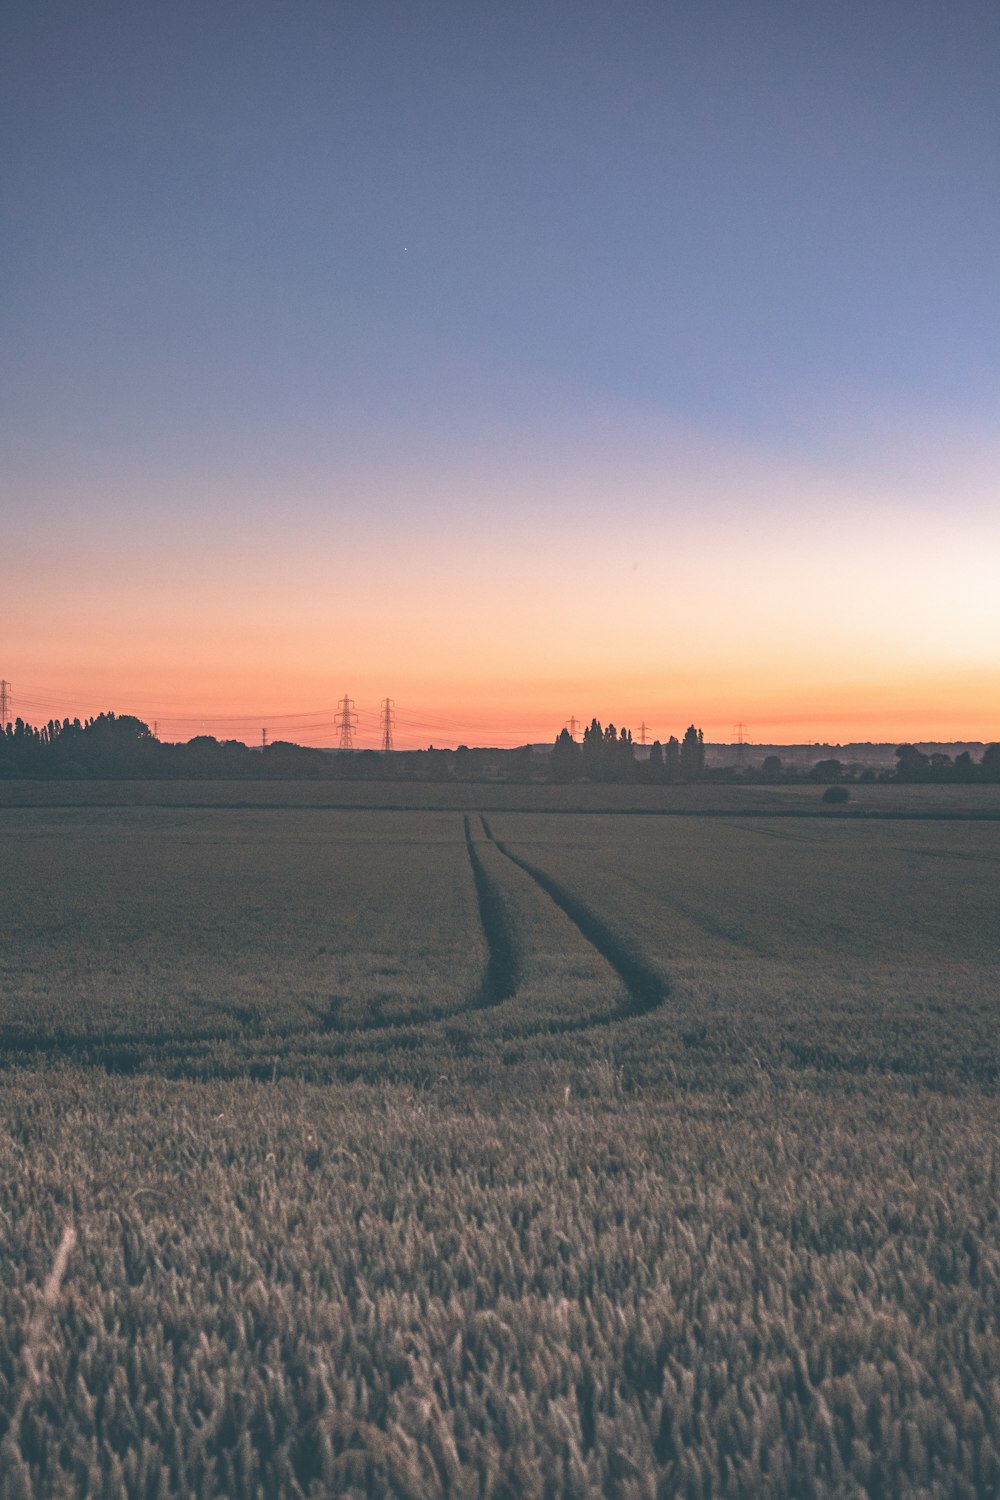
<point x="489" y="1016"/>
<point x="645" y="987"/>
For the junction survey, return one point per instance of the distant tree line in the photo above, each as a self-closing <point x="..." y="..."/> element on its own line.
<point x="912" y="765"/>
<point x="607" y="754"/>
<point x="120" y="746"/>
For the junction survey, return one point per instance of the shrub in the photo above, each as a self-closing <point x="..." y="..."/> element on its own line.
<point x="836" y="794"/>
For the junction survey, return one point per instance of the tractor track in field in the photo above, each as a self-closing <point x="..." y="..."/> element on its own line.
<point x="501" y="976"/>
<point x="646" y="989"/>
<point x="150" y="1051"/>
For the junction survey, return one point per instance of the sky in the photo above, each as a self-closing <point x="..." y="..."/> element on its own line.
<point x="511" y="361"/>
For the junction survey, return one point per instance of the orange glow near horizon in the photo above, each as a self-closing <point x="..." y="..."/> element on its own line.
<point x="431" y="713"/>
<point x="686" y="587"/>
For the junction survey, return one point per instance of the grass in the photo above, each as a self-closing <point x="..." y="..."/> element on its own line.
<point x="364" y="1220"/>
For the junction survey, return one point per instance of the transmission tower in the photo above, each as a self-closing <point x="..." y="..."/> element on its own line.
<point x="4" y="703"/>
<point x="263" y="739"/>
<point x="740" y="745"/>
<point x="643" y="728"/>
<point x="345" y="722"/>
<point x="387" y="721"/>
<point x="573" y="725"/>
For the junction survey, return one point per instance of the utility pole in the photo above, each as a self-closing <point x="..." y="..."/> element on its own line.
<point x="345" y="721"/>
<point x="4" y="703"/>
<point x="263" y="739"/>
<point x="387" y="721"/>
<point x="156" y="729"/>
<point x="573" y="725"/>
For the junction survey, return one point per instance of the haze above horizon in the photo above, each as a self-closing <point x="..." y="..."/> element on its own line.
<point x="514" y="362"/>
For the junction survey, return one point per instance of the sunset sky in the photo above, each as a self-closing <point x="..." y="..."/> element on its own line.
<point x="511" y="360"/>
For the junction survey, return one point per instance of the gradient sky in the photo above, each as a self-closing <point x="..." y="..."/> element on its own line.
<point x="512" y="360"/>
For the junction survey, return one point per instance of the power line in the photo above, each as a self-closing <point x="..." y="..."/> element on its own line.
<point x="345" y="721"/>
<point x="317" y="723"/>
<point x="388" y="719"/>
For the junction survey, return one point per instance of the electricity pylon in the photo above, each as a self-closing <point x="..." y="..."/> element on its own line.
<point x="345" y="722"/>
<point x="387" y="721"/>
<point x="573" y="725"/>
<point x="4" y="703"/>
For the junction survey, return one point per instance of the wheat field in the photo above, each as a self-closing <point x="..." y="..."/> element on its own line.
<point x="492" y="1153"/>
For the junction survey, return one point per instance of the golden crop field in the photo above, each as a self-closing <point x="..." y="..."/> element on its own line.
<point x="498" y="1152"/>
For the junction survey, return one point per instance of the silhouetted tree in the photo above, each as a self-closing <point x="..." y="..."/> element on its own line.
<point x="771" y="768"/>
<point x="911" y="764"/>
<point x="989" y="766"/>
<point x="593" y="751"/>
<point x="605" y="755"/>
<point x="672" y="759"/>
<point x="624" y="757"/>
<point x="609" y="755"/>
<point x="564" y="764"/>
<point x="692" y="754"/>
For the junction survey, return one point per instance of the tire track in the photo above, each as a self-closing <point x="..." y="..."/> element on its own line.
<point x="974" y="858"/>
<point x="132" y="1052"/>
<point x="501" y="975"/>
<point x="774" y="833"/>
<point x="646" y="988"/>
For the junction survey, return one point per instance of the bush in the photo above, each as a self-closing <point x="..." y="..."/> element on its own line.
<point x="836" y="794"/>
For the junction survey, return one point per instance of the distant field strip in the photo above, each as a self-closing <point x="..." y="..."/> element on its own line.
<point x="895" y="801"/>
<point x="645" y="986"/>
